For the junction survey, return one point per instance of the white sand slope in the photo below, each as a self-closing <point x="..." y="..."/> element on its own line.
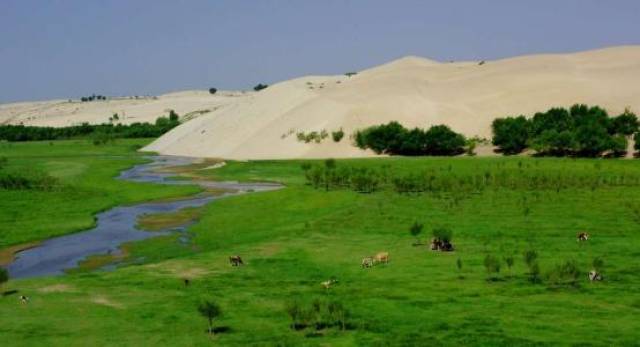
<point x="59" y="113"/>
<point x="466" y="96"/>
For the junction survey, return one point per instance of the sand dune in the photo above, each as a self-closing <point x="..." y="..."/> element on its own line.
<point x="415" y="91"/>
<point x="59" y="113"/>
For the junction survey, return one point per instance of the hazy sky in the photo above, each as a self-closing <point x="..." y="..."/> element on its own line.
<point x="68" y="48"/>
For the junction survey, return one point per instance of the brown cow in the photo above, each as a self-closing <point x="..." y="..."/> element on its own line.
<point x="583" y="236"/>
<point x="381" y="257"/>
<point x="235" y="260"/>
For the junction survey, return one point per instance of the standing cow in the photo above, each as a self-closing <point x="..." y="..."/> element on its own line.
<point x="235" y="260"/>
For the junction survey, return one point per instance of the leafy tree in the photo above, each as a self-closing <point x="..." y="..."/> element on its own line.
<point x="510" y="134"/>
<point x="213" y="90"/>
<point x="618" y="145"/>
<point x="624" y="124"/>
<point x="415" y="230"/>
<point x="443" y="234"/>
<point x="592" y="138"/>
<point x="509" y="260"/>
<point x="210" y="310"/>
<point x="441" y="140"/>
<point x="337" y="135"/>
<point x="492" y="265"/>
<point x="636" y="141"/>
<point x="4" y="276"/>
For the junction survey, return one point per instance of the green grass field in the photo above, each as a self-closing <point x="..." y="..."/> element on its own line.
<point x="295" y="238"/>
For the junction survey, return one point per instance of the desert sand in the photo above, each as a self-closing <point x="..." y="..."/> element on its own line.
<point x="415" y="91"/>
<point x="61" y="113"/>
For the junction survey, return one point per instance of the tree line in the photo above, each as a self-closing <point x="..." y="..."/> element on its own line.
<point x="135" y="130"/>
<point x="581" y="131"/>
<point x="395" y="139"/>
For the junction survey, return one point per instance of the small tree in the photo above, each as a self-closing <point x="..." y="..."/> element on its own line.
<point x="260" y="87"/>
<point x="509" y="260"/>
<point x="459" y="266"/>
<point x="4" y="276"/>
<point x="210" y="310"/>
<point x="636" y="140"/>
<point x="415" y="230"/>
<point x="492" y="264"/>
<point x="530" y="257"/>
<point x="337" y="135"/>
<point x="212" y="90"/>
<point x="443" y="234"/>
<point x="598" y="264"/>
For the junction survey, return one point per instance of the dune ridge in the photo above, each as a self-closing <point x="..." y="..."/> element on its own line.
<point x="415" y="91"/>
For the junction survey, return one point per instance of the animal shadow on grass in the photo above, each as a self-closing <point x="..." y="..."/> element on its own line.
<point x="9" y="292"/>
<point x="219" y="330"/>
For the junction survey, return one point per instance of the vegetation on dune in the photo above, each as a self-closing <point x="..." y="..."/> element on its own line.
<point x="213" y="91"/>
<point x="579" y="131"/>
<point x="394" y="139"/>
<point x="260" y="87"/>
<point x="99" y="133"/>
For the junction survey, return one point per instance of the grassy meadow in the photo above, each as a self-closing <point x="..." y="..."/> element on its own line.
<point x="293" y="239"/>
<point x="85" y="185"/>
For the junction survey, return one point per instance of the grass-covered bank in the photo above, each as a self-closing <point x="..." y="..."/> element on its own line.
<point x="293" y="239"/>
<point x="85" y="185"/>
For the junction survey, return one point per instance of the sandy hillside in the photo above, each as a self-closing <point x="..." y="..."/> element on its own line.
<point x="417" y="92"/>
<point x="59" y="113"/>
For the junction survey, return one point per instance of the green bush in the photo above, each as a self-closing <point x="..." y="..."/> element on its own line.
<point x="260" y="87"/>
<point x="510" y="134"/>
<point x="213" y="91"/>
<point x="492" y="265"/>
<point x="442" y="233"/>
<point x="580" y="131"/>
<point x="394" y="139"/>
<point x="337" y="135"/>
<point x="565" y="274"/>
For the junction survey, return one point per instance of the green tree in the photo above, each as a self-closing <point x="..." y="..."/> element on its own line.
<point x="4" y="276"/>
<point x="510" y="134"/>
<point x="210" y="310"/>
<point x="441" y="140"/>
<point x="415" y="230"/>
<point x="213" y="90"/>
<point x="260" y="87"/>
<point x="625" y="124"/>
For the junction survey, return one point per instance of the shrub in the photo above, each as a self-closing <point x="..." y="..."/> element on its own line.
<point x="509" y="260"/>
<point x="260" y="87"/>
<point x="213" y="90"/>
<point x="636" y="140"/>
<point x="210" y="310"/>
<point x="337" y="135"/>
<point x="442" y="233"/>
<point x="415" y="230"/>
<point x="565" y="274"/>
<point x="4" y="276"/>
<point x="510" y="134"/>
<point x="392" y="138"/>
<point x="598" y="264"/>
<point x="492" y="265"/>
<point x="530" y="257"/>
<point x="440" y="140"/>
<point x="349" y="74"/>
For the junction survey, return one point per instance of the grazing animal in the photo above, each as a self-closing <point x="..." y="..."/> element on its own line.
<point x="583" y="236"/>
<point x="441" y="245"/>
<point x="367" y="262"/>
<point x="24" y="299"/>
<point x="594" y="276"/>
<point x="235" y="260"/>
<point x="382" y="257"/>
<point x="327" y="284"/>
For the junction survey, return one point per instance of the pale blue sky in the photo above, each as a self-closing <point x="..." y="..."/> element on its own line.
<point x="71" y="48"/>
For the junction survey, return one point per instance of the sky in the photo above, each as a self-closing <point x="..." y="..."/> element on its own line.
<point x="53" y="49"/>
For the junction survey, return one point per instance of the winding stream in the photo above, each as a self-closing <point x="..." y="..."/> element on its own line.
<point x="118" y="225"/>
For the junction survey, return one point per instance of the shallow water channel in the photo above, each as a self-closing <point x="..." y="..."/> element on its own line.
<point x="118" y="225"/>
